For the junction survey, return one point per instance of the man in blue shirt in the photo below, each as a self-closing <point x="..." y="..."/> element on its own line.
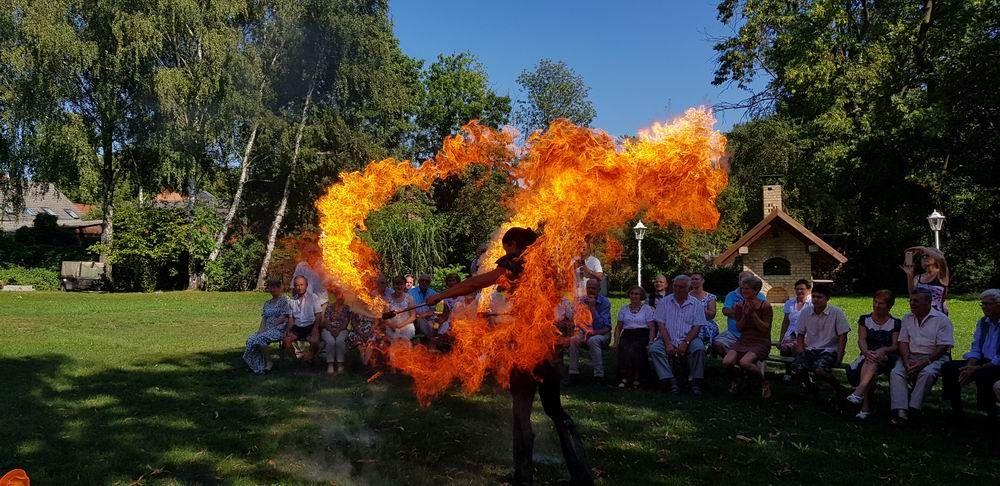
<point x="420" y="293"/>
<point x="597" y="337"/>
<point x="725" y="340"/>
<point x="981" y="364"/>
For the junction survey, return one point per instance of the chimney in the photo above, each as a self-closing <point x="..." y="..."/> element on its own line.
<point x="772" y="199"/>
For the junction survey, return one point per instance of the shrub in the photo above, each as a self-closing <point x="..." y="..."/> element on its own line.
<point x="40" y="278"/>
<point x="237" y="265"/>
<point x="437" y="280"/>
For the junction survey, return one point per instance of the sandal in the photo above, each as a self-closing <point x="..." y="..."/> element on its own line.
<point x="635" y="384"/>
<point x="765" y="391"/>
<point x="734" y="388"/>
<point x="623" y="384"/>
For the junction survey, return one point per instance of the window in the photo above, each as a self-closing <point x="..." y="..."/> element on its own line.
<point x="49" y="211"/>
<point x="72" y="213"/>
<point x="777" y="266"/>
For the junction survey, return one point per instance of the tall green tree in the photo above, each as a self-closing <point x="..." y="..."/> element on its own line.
<point x="888" y="107"/>
<point x="202" y="84"/>
<point x="98" y="60"/>
<point x="552" y="90"/>
<point x="456" y="91"/>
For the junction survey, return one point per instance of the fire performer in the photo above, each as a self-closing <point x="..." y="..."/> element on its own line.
<point x="523" y="383"/>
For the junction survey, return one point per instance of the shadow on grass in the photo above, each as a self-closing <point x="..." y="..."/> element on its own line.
<point x="202" y="419"/>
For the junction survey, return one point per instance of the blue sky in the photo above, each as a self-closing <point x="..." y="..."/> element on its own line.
<point x="644" y="61"/>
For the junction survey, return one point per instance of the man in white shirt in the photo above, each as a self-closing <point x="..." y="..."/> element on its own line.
<point x="924" y="341"/>
<point x="821" y="339"/>
<point x="679" y="318"/>
<point x="306" y="313"/>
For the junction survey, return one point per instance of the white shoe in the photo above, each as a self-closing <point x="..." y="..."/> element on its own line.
<point x="862" y="415"/>
<point x="855" y="399"/>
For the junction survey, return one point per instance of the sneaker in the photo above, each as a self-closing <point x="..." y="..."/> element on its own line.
<point x="862" y="415"/>
<point x="695" y="390"/>
<point x="855" y="398"/>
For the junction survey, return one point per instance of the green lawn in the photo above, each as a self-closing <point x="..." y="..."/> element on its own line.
<point x="150" y="389"/>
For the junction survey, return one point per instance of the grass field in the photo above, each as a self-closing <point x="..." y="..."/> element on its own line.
<point x="150" y="389"/>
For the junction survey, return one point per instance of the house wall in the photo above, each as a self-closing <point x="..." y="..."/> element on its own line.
<point x="778" y="242"/>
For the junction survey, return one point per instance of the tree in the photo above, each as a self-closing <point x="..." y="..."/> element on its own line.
<point x="201" y="84"/>
<point x="889" y="108"/>
<point x="349" y="66"/>
<point x="553" y="91"/>
<point x="456" y="91"/>
<point x="97" y="60"/>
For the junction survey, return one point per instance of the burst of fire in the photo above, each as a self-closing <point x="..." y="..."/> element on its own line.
<point x="352" y="265"/>
<point x="575" y="185"/>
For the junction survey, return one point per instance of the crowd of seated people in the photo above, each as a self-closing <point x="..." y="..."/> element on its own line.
<point x="668" y="335"/>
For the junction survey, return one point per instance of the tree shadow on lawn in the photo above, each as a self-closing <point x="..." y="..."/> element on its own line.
<point x="202" y="419"/>
<point x="789" y="440"/>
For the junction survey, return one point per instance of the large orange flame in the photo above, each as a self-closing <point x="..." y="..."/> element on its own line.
<point x="574" y="185"/>
<point x="352" y="265"/>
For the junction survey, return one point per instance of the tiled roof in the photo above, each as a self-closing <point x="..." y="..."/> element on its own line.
<point x="43" y="198"/>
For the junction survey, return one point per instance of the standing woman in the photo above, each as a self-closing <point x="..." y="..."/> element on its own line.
<point x="709" y="330"/>
<point x="934" y="277"/>
<point x="788" y="346"/>
<point x="753" y="320"/>
<point x="543" y="379"/>
<point x="633" y="336"/>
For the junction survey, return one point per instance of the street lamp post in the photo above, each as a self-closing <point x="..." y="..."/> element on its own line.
<point x="640" y="232"/>
<point x="936" y="220"/>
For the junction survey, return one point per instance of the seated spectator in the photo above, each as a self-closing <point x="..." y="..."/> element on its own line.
<point x="307" y="312"/>
<point x="678" y="321"/>
<point x="925" y="338"/>
<point x="878" y="334"/>
<point x="661" y="289"/>
<point x="334" y="334"/>
<point x="788" y="345"/>
<point x="274" y="317"/>
<point x="753" y="315"/>
<point x="981" y="364"/>
<point x="709" y="330"/>
<point x="424" y="315"/>
<point x="362" y="337"/>
<point x="449" y="305"/>
<point x="597" y="337"/>
<point x="821" y="335"/>
<point x="384" y="289"/>
<point x="728" y="338"/>
<point x="634" y="333"/>
<point x="400" y="327"/>
<point x="409" y="281"/>
<point x="934" y="276"/>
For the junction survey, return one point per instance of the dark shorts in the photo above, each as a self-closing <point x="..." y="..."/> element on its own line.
<point x="302" y="332"/>
<point x="814" y="359"/>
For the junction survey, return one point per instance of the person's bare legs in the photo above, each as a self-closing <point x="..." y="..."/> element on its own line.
<point x="869" y="371"/>
<point x="729" y="361"/>
<point x="748" y="363"/>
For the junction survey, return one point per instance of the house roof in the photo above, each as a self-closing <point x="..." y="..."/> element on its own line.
<point x="777" y="218"/>
<point x="43" y="198"/>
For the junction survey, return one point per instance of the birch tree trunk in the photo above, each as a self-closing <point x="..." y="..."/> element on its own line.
<point x="279" y="215"/>
<point x="244" y="175"/>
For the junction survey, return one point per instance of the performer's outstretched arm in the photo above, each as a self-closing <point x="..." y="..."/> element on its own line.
<point x="469" y="285"/>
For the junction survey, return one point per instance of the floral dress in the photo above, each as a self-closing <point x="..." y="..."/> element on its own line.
<point x="257" y="343"/>
<point x="709" y="329"/>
